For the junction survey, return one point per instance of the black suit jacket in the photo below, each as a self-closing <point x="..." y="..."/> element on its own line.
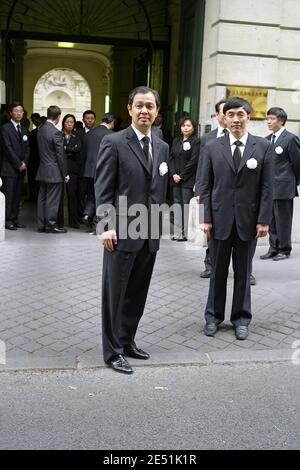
<point x="122" y="170"/>
<point x="286" y="165"/>
<point x="72" y="150"/>
<point x="245" y="196"/>
<point x="14" y="149"/>
<point x="53" y="167"/>
<point x="204" y="139"/>
<point x="92" y="144"/>
<point x="184" y="162"/>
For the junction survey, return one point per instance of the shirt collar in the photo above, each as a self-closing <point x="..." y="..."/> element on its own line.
<point x="49" y="120"/>
<point x="15" y="123"/>
<point x="279" y="132"/>
<point x="242" y="139"/>
<point x="220" y="131"/>
<point x="140" y="135"/>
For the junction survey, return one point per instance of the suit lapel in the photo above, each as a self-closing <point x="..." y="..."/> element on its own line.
<point x="248" y="152"/>
<point x="281" y="138"/>
<point x="155" y="153"/>
<point x="227" y="151"/>
<point x="136" y="148"/>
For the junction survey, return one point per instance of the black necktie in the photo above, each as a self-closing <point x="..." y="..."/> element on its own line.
<point x="19" y="131"/>
<point x="225" y="132"/>
<point x="146" y="143"/>
<point x="237" y="155"/>
<point x="273" y="138"/>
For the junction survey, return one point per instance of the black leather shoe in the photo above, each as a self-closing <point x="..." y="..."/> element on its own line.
<point x="56" y="230"/>
<point x="119" y="364"/>
<point x="210" y="329"/>
<point x="182" y="239"/>
<point x="281" y="256"/>
<point x="10" y="227"/>
<point x="252" y="280"/>
<point x="206" y="273"/>
<point x="136" y="353"/>
<point x="270" y="254"/>
<point x="41" y="230"/>
<point x="174" y="239"/>
<point x="75" y="226"/>
<point x="18" y="225"/>
<point x="241" y="332"/>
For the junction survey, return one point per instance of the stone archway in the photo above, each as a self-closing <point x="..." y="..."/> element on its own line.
<point x="65" y="88"/>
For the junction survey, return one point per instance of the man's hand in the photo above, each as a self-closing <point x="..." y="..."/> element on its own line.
<point x="261" y="230"/>
<point x="176" y="179"/>
<point x="23" y="167"/>
<point x="67" y="179"/>
<point x="198" y="199"/>
<point x="206" y="228"/>
<point x="109" y="239"/>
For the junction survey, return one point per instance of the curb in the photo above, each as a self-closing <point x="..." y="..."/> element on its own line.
<point x="55" y="363"/>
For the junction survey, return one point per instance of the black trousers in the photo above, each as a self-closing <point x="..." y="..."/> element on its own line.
<point x="90" y="202"/>
<point x="182" y="197"/>
<point x="82" y="193"/>
<point x="49" y="200"/>
<point x="280" y="232"/>
<point x="125" y="282"/>
<point x="242" y="254"/>
<point x="73" y="197"/>
<point x="12" y="188"/>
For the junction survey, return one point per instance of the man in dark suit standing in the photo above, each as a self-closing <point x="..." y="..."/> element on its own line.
<point x="235" y="189"/>
<point x="92" y="143"/>
<point x="131" y="169"/>
<point x="220" y="131"/>
<point x="15" y="157"/>
<point x="51" y="174"/>
<point x="89" y="119"/>
<point x="286" y="156"/>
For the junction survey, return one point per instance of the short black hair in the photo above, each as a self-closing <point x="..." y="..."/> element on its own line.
<point x="108" y="118"/>
<point x="218" y="104"/>
<point x="279" y="113"/>
<point x="15" y="104"/>
<point x="89" y="111"/>
<point x="183" y="119"/>
<point x="53" y="112"/>
<point x="237" y="102"/>
<point x="144" y="90"/>
<point x="35" y="115"/>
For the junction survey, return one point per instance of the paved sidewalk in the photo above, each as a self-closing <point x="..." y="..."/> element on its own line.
<point x="50" y="305"/>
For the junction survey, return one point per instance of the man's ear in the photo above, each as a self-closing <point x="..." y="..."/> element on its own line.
<point x="129" y="109"/>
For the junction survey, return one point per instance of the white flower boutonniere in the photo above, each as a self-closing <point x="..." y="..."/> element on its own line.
<point x="163" y="169"/>
<point x="251" y="163"/>
<point x="186" y="146"/>
<point x="25" y="138"/>
<point x="278" y="150"/>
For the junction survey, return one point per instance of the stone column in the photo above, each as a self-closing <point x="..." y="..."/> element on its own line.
<point x="20" y="51"/>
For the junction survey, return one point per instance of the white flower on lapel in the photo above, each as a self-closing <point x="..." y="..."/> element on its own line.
<point x="251" y="163"/>
<point x="25" y="138"/>
<point x="279" y="150"/>
<point x="186" y="146"/>
<point x="163" y="169"/>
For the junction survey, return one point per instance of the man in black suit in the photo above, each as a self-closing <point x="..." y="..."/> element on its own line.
<point x="51" y="174"/>
<point x="235" y="189"/>
<point x="286" y="156"/>
<point x="89" y="120"/>
<point x="15" y="157"/>
<point x="220" y="131"/>
<point x="131" y="169"/>
<point x="92" y="143"/>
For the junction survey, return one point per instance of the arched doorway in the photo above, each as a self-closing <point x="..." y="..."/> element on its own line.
<point x="65" y="88"/>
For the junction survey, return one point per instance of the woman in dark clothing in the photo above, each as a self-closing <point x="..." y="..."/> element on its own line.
<point x="183" y="163"/>
<point x="72" y="149"/>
